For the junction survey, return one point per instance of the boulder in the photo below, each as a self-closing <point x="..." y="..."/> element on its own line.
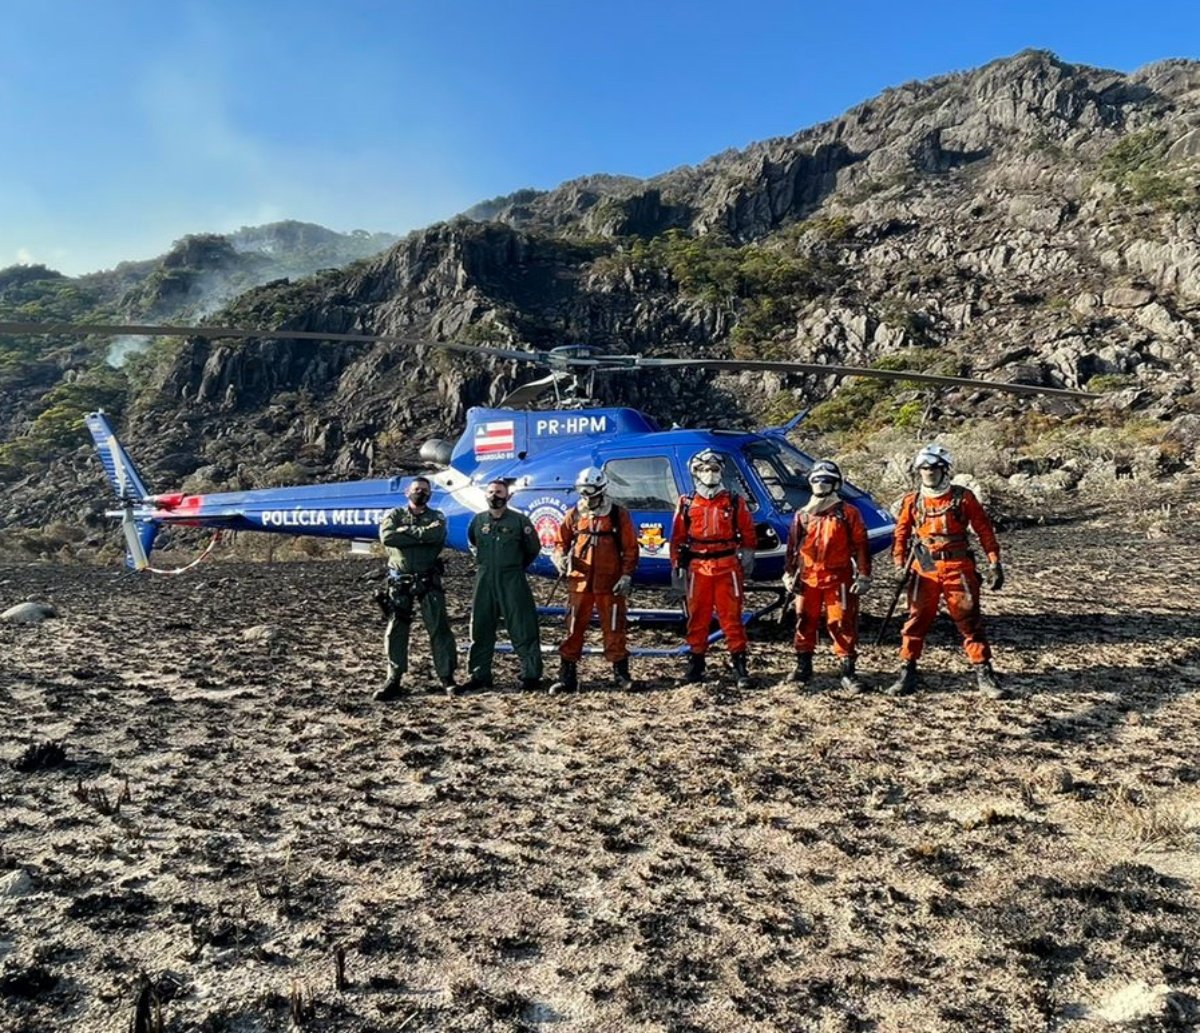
<point x="16" y="883"/>
<point x="28" y="613"/>
<point x="1128" y="297"/>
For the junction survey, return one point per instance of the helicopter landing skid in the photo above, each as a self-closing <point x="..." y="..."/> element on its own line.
<point x="666" y="616"/>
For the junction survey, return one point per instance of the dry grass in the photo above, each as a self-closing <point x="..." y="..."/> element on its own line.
<point x="1131" y="816"/>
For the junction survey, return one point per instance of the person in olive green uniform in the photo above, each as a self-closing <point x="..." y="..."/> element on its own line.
<point x="504" y="543"/>
<point x="414" y="536"/>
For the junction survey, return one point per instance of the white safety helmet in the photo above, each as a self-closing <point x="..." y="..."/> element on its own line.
<point x="933" y="455"/>
<point x="591" y="481"/>
<point x="825" y="470"/>
<point x="706" y="458"/>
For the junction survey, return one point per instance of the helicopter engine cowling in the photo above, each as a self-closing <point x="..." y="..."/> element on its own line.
<point x="437" y="452"/>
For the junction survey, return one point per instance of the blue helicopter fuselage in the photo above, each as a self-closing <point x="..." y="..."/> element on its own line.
<point x="539" y="454"/>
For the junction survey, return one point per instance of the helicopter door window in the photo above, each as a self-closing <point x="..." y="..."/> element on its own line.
<point x="783" y="475"/>
<point x="646" y="484"/>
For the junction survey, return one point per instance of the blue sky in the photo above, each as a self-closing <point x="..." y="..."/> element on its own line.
<point x="124" y="125"/>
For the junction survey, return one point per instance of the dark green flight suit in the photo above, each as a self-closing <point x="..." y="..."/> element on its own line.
<point x="413" y="542"/>
<point x="504" y="547"/>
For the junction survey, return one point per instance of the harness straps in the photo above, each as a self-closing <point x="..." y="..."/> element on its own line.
<point x="951" y="545"/>
<point x="685" y="511"/>
<point x="804" y="520"/>
<point x="613" y="532"/>
<point x="957" y="494"/>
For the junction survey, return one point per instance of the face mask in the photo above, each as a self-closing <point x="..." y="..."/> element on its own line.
<point x="497" y="501"/>
<point x="709" y="478"/>
<point x="821" y="487"/>
<point x="418" y="498"/>
<point x="595" y="501"/>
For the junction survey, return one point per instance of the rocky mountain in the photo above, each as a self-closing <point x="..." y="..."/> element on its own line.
<point x="1031" y="220"/>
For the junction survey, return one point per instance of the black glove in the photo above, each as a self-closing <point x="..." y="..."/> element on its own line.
<point x="997" y="582"/>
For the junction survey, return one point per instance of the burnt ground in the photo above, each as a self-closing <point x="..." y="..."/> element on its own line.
<point x="230" y="810"/>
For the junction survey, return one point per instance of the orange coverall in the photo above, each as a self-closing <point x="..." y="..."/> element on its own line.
<point x="603" y="549"/>
<point x="820" y="549"/>
<point x="944" y="566"/>
<point x="706" y="536"/>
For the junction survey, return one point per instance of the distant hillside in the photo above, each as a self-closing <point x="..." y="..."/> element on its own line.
<point x="1030" y="220"/>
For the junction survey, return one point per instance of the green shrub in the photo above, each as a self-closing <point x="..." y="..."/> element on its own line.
<point x="1137" y="152"/>
<point x="908" y="415"/>
<point x="865" y="403"/>
<point x="1103" y="383"/>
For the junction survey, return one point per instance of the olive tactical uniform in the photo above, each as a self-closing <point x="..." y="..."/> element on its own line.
<point x="414" y="541"/>
<point x="504" y="546"/>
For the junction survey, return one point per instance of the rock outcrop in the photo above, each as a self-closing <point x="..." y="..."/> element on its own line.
<point x="1030" y="221"/>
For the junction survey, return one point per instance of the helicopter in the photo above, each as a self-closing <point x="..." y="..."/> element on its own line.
<point x="536" y="452"/>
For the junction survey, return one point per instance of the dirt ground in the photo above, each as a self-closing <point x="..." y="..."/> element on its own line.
<point x="231" y="811"/>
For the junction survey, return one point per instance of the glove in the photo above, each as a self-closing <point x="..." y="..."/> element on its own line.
<point x="746" y="558"/>
<point x="562" y="563"/>
<point x="789" y="582"/>
<point x="624" y="586"/>
<point x="901" y="575"/>
<point x="679" y="579"/>
<point x="861" y="585"/>
<point x="997" y="571"/>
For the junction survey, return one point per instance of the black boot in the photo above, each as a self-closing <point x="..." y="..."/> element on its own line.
<point x="695" y="669"/>
<point x="621" y="675"/>
<point x="988" y="683"/>
<point x="449" y="685"/>
<point x="738" y="660"/>
<point x="477" y="681"/>
<point x="568" y="678"/>
<point x="531" y="684"/>
<point x="907" y="682"/>
<point x="393" y="688"/>
<point x="851" y="681"/>
<point x="802" y="672"/>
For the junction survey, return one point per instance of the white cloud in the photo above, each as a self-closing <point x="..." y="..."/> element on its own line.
<point x="25" y="257"/>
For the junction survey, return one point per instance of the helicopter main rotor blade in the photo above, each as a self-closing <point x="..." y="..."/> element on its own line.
<point x="641" y="362"/>
<point x="213" y="332"/>
<point x="554" y="358"/>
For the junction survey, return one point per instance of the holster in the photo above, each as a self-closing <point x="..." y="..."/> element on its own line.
<point x="402" y="596"/>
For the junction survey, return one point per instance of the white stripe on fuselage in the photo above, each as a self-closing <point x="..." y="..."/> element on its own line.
<point x="461" y="488"/>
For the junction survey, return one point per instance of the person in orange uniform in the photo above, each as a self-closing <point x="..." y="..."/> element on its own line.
<point x="931" y="539"/>
<point x="828" y="566"/>
<point x="712" y="554"/>
<point x="597" y="553"/>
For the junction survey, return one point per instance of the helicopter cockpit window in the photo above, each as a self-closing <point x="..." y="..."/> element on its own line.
<point x="783" y="471"/>
<point x="645" y="484"/>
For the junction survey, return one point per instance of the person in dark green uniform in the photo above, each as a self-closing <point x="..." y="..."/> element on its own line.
<point x="504" y="543"/>
<point x="414" y="536"/>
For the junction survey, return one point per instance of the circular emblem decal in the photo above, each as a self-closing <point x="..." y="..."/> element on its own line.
<point x="546" y="514"/>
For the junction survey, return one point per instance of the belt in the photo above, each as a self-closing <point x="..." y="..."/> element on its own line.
<point x="720" y="554"/>
<point x="954" y="552"/>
